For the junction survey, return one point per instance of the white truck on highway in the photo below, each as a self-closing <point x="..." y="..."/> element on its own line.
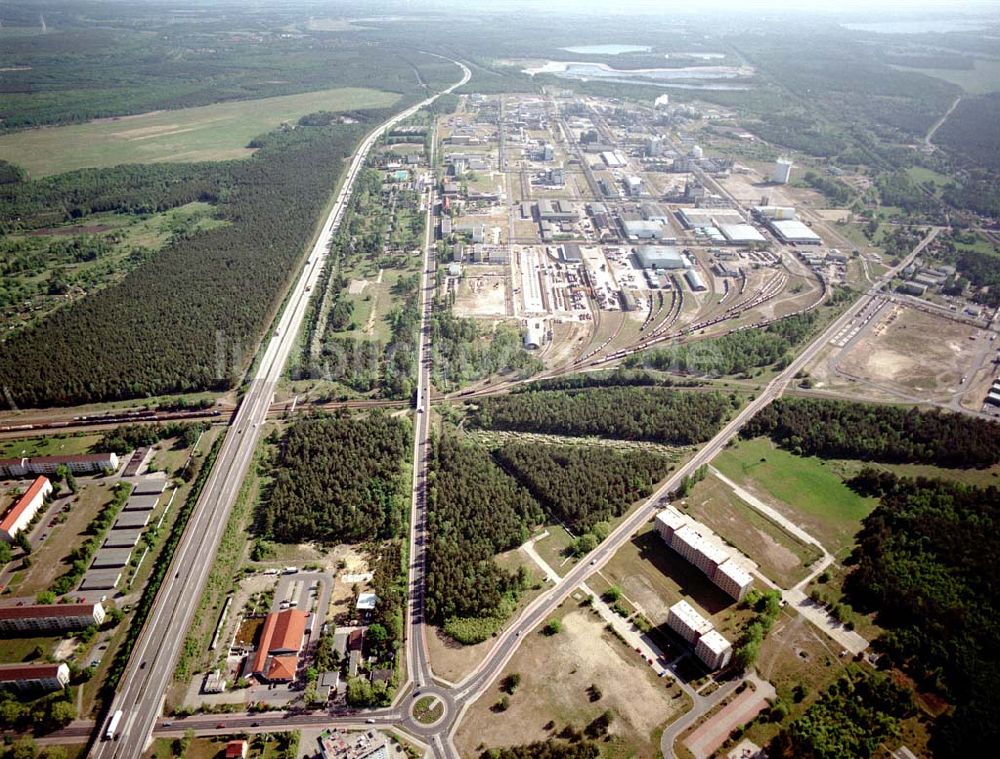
<point x="109" y="734"/>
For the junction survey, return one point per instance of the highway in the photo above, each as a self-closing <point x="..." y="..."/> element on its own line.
<point x="150" y="667"/>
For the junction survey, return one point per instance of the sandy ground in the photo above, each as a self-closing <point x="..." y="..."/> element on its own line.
<point x="556" y="673"/>
<point x="453" y="661"/>
<point x="897" y="353"/>
<point x="481" y="294"/>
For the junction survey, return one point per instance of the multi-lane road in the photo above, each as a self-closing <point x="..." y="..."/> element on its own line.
<point x="144" y="683"/>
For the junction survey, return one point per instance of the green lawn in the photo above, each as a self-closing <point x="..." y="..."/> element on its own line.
<point x="807" y="490"/>
<point x="205" y="133"/>
<point x="51" y="445"/>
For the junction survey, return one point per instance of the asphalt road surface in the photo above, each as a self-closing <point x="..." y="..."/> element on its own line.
<point x="147" y="676"/>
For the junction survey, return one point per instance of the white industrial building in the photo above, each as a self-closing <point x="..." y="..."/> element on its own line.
<point x="633" y="186"/>
<point x="741" y="234"/>
<point x="613" y="159"/>
<point x="686" y="622"/>
<point x="640" y="229"/>
<point x="714" y="650"/>
<point x="794" y="231"/>
<point x="780" y="213"/>
<point x="662" y="257"/>
<point x="782" y="171"/>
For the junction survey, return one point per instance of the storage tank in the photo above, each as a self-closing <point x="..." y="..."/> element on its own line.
<point x="782" y="171"/>
<point x="533" y="338"/>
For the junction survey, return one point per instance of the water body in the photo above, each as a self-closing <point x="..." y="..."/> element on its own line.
<point x="674" y="76"/>
<point x="607" y="49"/>
<point x="919" y="27"/>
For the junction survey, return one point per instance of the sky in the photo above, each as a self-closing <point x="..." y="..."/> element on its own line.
<point x="867" y="7"/>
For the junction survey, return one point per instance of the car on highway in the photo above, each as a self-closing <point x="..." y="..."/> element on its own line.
<point x="220" y="726"/>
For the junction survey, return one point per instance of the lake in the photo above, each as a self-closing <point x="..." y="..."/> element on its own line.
<point x="606" y="49"/>
<point x="925" y="26"/>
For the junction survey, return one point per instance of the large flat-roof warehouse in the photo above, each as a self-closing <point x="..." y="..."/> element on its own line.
<point x="793" y="231"/>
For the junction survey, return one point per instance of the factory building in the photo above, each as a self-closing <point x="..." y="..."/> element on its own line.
<point x="709" y="217"/>
<point x="633" y="186"/>
<point x="782" y="171"/>
<point x="662" y="257"/>
<point x="695" y="282"/>
<point x="794" y="232"/>
<point x="613" y="159"/>
<point x="639" y="229"/>
<point x="713" y="650"/>
<point x="557" y="210"/>
<point x="20" y="514"/>
<point x="686" y="622"/>
<point x="654" y="212"/>
<point x="741" y="234"/>
<point x="57" y="618"/>
<point x="22" y="678"/>
<point x="83" y="463"/>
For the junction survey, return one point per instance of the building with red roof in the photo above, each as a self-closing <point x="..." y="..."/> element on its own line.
<point x="33" y="677"/>
<point x="18" y="516"/>
<point x="280" y="643"/>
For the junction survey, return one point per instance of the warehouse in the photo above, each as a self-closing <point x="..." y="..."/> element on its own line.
<point x="777" y="213"/>
<point x="695" y="282"/>
<point x="20" y="514"/>
<point x="709" y="217"/>
<point x="640" y="229"/>
<point x="570" y="253"/>
<point x="662" y="257"/>
<point x="741" y="234"/>
<point x="794" y="232"/>
<point x="28" y="616"/>
<point x="557" y="210"/>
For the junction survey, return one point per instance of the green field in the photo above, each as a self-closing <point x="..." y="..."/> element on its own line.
<point x="808" y="490"/>
<point x="205" y="133"/>
<point x="982" y="78"/>
<point x="49" y="445"/>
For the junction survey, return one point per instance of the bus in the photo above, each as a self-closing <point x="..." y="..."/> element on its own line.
<point x="109" y="734"/>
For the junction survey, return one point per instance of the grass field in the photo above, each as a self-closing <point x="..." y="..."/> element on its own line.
<point x="782" y="557"/>
<point x="982" y="78"/>
<point x="206" y="133"/>
<point x="807" y="490"/>
<point x="556" y="674"/>
<point x="50" y="445"/>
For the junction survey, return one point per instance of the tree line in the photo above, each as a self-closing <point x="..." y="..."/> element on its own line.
<point x="338" y="479"/>
<point x="735" y="353"/>
<point x="925" y="562"/>
<point x="583" y="485"/>
<point x="891" y="434"/>
<point x="631" y="413"/>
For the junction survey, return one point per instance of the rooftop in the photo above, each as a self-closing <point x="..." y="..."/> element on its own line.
<point x="40" y="485"/>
